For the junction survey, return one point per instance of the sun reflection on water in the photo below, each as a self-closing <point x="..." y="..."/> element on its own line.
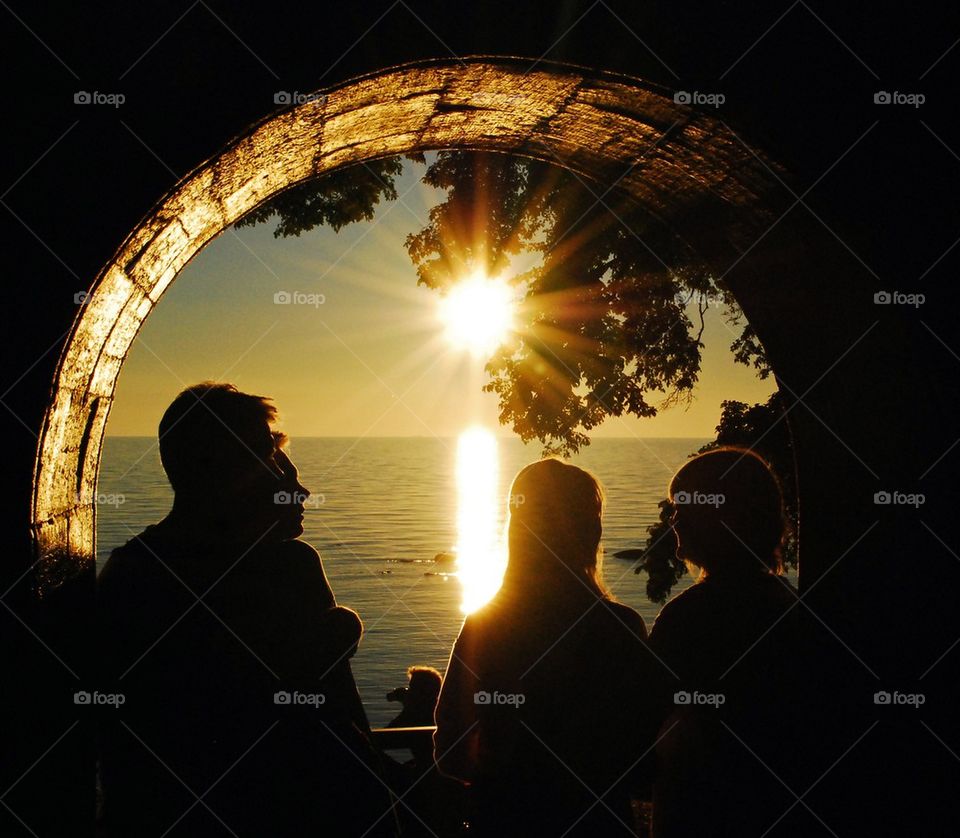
<point x="481" y="558"/>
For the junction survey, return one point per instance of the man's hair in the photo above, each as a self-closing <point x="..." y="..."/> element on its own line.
<point x="212" y="429"/>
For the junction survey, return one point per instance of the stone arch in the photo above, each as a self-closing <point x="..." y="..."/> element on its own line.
<point x="687" y="168"/>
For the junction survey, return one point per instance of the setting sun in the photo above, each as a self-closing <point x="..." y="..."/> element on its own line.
<point x="478" y="314"/>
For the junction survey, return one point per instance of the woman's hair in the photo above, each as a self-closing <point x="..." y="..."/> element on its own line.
<point x="732" y="502"/>
<point x="554" y="528"/>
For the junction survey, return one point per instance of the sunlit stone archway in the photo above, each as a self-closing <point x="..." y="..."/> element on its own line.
<point x="688" y="169"/>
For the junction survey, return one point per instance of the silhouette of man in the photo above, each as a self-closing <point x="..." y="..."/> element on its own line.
<point x="241" y="714"/>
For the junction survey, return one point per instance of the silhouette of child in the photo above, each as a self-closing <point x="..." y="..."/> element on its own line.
<point x="729" y="641"/>
<point x="419" y="697"/>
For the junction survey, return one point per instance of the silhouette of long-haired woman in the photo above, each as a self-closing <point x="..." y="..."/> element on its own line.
<point x="544" y="708"/>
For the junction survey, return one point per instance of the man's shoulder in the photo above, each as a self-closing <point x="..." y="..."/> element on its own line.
<point x="128" y="557"/>
<point x="137" y="577"/>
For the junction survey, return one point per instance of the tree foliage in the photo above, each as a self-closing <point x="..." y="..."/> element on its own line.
<point x="338" y="199"/>
<point x="606" y="326"/>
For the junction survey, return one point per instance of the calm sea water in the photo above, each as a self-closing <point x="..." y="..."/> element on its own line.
<point x="388" y="507"/>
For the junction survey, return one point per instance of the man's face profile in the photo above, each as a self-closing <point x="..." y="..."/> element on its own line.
<point x="265" y="493"/>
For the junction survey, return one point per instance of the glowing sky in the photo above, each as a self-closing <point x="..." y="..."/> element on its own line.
<point x="359" y="350"/>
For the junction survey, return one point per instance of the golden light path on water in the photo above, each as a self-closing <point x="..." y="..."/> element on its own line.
<point x="481" y="557"/>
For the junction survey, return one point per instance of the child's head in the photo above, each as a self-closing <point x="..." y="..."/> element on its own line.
<point x="424" y="684"/>
<point x="728" y="512"/>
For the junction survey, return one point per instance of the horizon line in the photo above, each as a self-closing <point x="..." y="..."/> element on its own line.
<point x="415" y="436"/>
